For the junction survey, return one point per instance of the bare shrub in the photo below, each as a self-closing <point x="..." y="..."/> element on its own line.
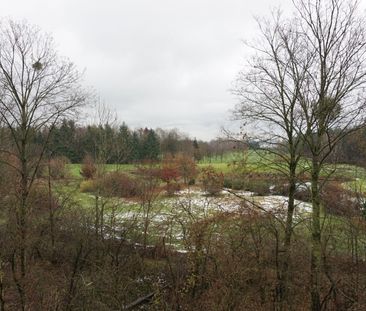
<point x="58" y="167"/>
<point x="118" y="184"/>
<point x="260" y="186"/>
<point x="187" y="167"/>
<point x="212" y="181"/>
<point x="88" y="168"/>
<point x="169" y="173"/>
<point x="338" y="201"/>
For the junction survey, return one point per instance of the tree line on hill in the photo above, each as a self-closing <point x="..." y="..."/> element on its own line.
<point x="121" y="144"/>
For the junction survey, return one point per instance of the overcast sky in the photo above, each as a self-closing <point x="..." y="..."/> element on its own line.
<point x="156" y="63"/>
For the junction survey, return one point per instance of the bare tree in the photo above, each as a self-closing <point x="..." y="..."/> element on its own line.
<point x="333" y="101"/>
<point x="37" y="89"/>
<point x="106" y="119"/>
<point x="309" y="83"/>
<point x="268" y="91"/>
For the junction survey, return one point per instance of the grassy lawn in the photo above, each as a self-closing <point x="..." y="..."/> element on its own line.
<point x="256" y="161"/>
<point x="75" y="169"/>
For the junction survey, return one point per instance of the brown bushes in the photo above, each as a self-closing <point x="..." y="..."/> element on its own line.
<point x="212" y="181"/>
<point x="57" y="167"/>
<point x="118" y="184"/>
<point x="88" y="168"/>
<point x="338" y="201"/>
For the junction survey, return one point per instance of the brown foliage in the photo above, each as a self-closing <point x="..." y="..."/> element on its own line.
<point x="187" y="167"/>
<point x="88" y="168"/>
<point x="58" y="168"/>
<point x="118" y="184"/>
<point x="338" y="201"/>
<point x="212" y="181"/>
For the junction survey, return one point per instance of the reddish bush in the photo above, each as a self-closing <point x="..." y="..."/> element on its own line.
<point x="169" y="174"/>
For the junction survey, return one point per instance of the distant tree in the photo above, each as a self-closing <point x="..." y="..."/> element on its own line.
<point x="124" y="144"/>
<point x="87" y="141"/>
<point x="187" y="167"/>
<point x="169" y="141"/>
<point x="136" y="152"/>
<point x="352" y="148"/>
<point x="150" y="147"/>
<point x="63" y="141"/>
<point x="196" y="150"/>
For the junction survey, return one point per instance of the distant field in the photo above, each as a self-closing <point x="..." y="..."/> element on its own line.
<point x="252" y="156"/>
<point x="76" y="168"/>
<point x="256" y="161"/>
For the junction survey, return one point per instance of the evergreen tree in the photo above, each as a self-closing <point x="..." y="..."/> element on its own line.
<point x="196" y="150"/>
<point x="124" y="144"/>
<point x="151" y="145"/>
<point x="135" y="147"/>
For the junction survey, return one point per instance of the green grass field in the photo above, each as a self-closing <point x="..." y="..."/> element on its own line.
<point x="255" y="161"/>
<point x="75" y="169"/>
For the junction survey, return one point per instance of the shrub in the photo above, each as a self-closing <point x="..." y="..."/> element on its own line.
<point x="88" y="168"/>
<point x="212" y="181"/>
<point x="58" y="167"/>
<point x="234" y="182"/>
<point x="118" y="184"/>
<point x="258" y="185"/>
<point x="338" y="201"/>
<point x="186" y="166"/>
<point x="172" y="188"/>
<point x="169" y="174"/>
<point x="88" y="186"/>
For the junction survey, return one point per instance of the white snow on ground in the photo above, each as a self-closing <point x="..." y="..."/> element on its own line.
<point x="227" y="201"/>
<point x="200" y="203"/>
<point x="190" y="204"/>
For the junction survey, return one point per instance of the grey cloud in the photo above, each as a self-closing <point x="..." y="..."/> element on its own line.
<point x="159" y="63"/>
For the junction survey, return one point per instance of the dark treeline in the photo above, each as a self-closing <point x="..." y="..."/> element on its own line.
<point x="121" y="144"/>
<point x="350" y="150"/>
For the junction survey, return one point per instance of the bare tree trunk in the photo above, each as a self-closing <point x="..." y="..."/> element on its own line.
<point x="285" y="261"/>
<point x="96" y="220"/>
<point x="2" y="299"/>
<point x="18" y="283"/>
<point x="316" y="238"/>
<point x="51" y="210"/>
<point x="22" y="223"/>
